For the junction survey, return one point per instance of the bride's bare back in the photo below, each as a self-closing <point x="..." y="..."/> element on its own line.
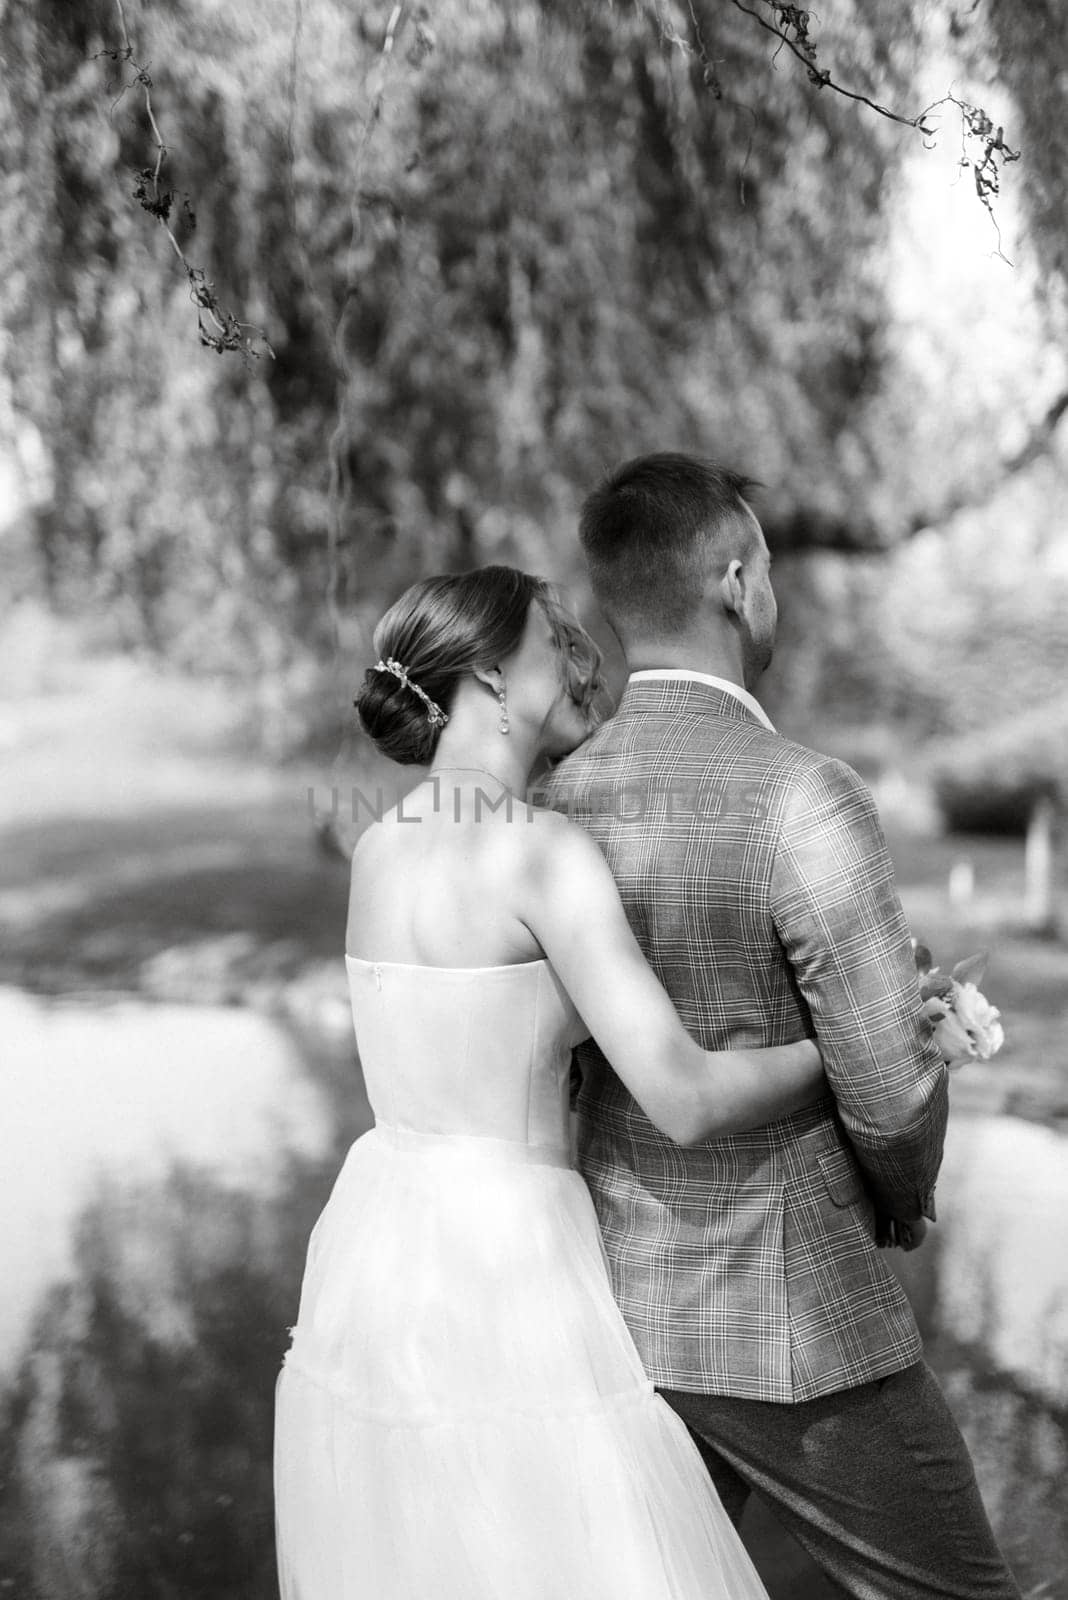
<point x="439" y="881"/>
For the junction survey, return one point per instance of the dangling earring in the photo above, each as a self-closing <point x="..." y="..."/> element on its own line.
<point x="502" y="724"/>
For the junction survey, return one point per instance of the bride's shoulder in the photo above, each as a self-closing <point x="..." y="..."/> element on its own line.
<point x="553" y="844"/>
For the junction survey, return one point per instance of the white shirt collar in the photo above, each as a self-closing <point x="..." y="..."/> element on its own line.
<point x="650" y="674"/>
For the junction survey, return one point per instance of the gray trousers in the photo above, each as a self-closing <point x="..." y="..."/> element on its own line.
<point x="875" y="1483"/>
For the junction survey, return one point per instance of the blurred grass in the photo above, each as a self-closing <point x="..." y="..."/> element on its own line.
<point x="96" y="902"/>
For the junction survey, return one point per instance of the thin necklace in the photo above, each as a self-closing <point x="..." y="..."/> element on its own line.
<point x="437" y="771"/>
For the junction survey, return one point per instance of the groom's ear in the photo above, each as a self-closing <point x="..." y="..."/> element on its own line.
<point x="732" y="587"/>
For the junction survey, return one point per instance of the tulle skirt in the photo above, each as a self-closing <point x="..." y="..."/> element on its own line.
<point x="463" y="1415"/>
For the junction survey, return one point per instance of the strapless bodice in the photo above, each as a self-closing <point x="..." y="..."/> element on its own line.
<point x="478" y="1051"/>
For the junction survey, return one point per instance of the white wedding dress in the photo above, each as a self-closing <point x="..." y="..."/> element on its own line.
<point x="463" y="1414"/>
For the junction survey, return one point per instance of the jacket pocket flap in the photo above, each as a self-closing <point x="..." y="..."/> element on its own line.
<point x="841" y="1177"/>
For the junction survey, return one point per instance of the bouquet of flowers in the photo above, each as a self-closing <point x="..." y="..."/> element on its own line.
<point x="966" y="1026"/>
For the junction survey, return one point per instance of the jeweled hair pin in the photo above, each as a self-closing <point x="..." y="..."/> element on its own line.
<point x="435" y="716"/>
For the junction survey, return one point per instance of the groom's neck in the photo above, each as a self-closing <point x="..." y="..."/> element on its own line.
<point x="718" y="659"/>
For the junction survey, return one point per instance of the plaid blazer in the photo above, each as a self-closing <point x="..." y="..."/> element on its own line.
<point x="757" y="881"/>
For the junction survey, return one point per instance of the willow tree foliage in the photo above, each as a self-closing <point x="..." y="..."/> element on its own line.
<point x="494" y="247"/>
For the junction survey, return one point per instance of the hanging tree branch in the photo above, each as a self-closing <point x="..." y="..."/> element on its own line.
<point x="219" y="329"/>
<point x="339" y="438"/>
<point x="977" y="128"/>
<point x="984" y="149"/>
<point x="332" y="838"/>
<point x="791" y="28"/>
<point x="334" y="321"/>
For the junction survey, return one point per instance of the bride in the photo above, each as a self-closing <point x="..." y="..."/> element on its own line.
<point x="462" y="1414"/>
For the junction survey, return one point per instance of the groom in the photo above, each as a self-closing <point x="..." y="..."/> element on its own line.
<point x="757" y="881"/>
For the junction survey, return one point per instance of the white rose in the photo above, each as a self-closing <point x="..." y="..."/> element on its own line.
<point x="952" y="1040"/>
<point x="980" y="1020"/>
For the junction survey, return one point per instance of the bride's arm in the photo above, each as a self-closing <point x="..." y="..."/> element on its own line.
<point x="571" y="905"/>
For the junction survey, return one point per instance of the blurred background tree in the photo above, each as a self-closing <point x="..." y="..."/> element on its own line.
<point x="497" y="248"/>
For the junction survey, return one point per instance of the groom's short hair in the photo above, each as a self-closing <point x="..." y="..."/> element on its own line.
<point x="649" y="532"/>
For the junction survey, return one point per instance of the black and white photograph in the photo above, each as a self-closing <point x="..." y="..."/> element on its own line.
<point x="533" y="796"/>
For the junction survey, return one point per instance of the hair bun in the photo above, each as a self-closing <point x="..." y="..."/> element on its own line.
<point x="440" y="631"/>
<point x="396" y="719"/>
